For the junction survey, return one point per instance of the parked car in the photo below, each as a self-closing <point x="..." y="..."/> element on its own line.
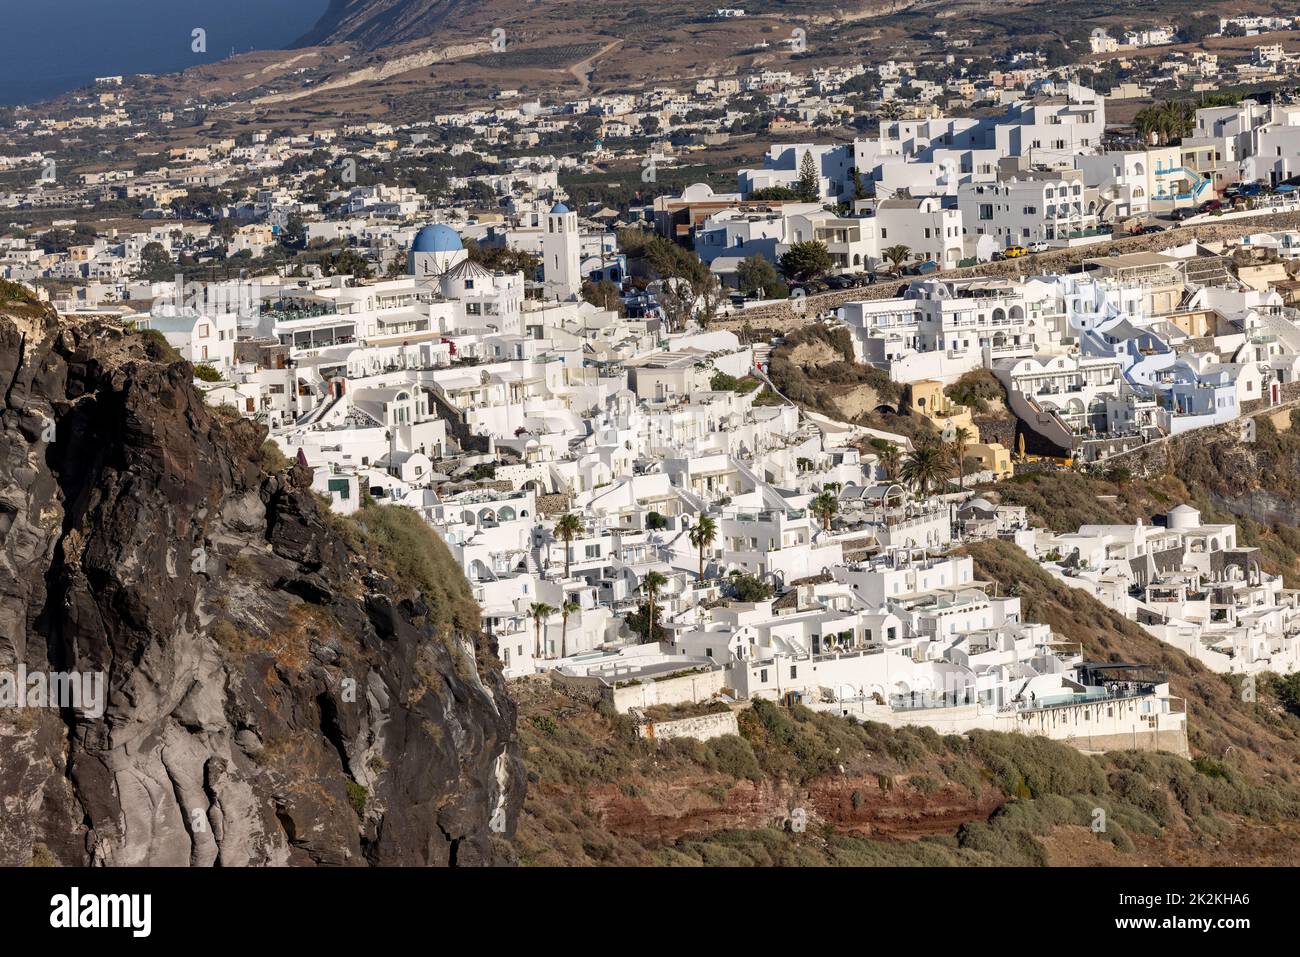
<point x="1187" y="212"/>
<point x="839" y="282"/>
<point x="1211" y="206"/>
<point x="1148" y="228"/>
<point x="1014" y="252"/>
<point x="1037" y="247"/>
<point x="923" y="268"/>
<point x="864" y="278"/>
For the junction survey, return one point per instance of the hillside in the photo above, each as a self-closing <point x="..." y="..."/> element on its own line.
<point x="598" y="794"/>
<point x="282" y="686"/>
<point x="1255" y="484"/>
<point x="376" y="23"/>
<point x="873" y="796"/>
<point x="814" y="368"/>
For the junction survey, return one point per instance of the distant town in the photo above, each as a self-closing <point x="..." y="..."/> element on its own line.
<point x="573" y="385"/>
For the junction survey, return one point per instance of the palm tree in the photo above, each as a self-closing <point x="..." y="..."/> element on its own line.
<point x="651" y="585"/>
<point x="897" y="255"/>
<point x="570" y="607"/>
<point x="1145" y="122"/>
<point x="539" y="611"/>
<point x="926" y="468"/>
<point x="960" y="437"/>
<point x="1169" y="120"/>
<point x="702" y="536"/>
<point x="567" y="528"/>
<point x="889" y="457"/>
<point x="1179" y="118"/>
<point x="824" y="506"/>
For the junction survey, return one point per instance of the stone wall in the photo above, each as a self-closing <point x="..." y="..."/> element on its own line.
<point x="701" y="727"/>
<point x="687" y="689"/>
<point x="582" y="687"/>
<point x="553" y="504"/>
<point x="1084" y="726"/>
<point x="790" y="313"/>
<point x="1173" y="741"/>
<point x="1000" y="429"/>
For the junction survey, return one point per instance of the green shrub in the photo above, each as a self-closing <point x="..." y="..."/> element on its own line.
<point x="41" y="855"/>
<point x="205" y="373"/>
<point x="273" y="460"/>
<point x="1035" y="766"/>
<point x="157" y="347"/>
<point x="397" y="537"/>
<point x="545" y="723"/>
<point x="976" y="389"/>
<point x="924" y="783"/>
<point x="748" y="588"/>
<point x="16" y="293"/>
<point x="1211" y="768"/>
<point x="357" y="796"/>
<point x="733" y="756"/>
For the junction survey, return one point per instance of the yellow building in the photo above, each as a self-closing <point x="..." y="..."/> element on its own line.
<point x="927" y="399"/>
<point x="993" y="457"/>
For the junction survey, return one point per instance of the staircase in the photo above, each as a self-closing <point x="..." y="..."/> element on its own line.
<point x="318" y="413"/>
<point x="1198" y="184"/>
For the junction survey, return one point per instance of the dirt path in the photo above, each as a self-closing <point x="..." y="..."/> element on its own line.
<point x="583" y="69"/>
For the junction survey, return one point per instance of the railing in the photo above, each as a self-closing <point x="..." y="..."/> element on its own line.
<point x="930" y="700"/>
<point x="1129" y="690"/>
<point x="767" y="515"/>
<point x="311" y="312"/>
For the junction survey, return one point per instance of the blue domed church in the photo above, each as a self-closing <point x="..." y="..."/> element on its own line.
<point x="434" y="250"/>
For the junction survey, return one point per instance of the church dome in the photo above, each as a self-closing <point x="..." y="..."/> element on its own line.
<point x="559" y="209"/>
<point x="1184" y="516"/>
<point x="437" y="239"/>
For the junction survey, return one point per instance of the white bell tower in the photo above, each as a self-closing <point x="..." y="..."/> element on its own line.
<point x="561" y="248"/>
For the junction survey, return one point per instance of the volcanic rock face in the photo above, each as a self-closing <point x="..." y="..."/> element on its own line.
<point x="376" y="23"/>
<point x="269" y="697"/>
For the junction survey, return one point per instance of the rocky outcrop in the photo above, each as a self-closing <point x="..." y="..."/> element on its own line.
<point x="376" y="23"/>
<point x="269" y="698"/>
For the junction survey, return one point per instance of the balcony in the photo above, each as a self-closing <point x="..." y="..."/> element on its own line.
<point x="930" y="700"/>
<point x="1122" y="691"/>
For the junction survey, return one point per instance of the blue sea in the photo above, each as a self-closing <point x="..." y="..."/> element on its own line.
<point x="48" y="47"/>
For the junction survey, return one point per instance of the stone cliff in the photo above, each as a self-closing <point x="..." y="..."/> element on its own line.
<point x="272" y="694"/>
